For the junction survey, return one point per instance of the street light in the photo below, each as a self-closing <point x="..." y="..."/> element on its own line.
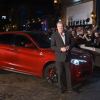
<point x="93" y="16"/>
<point x="76" y="0"/>
<point x="55" y="1"/>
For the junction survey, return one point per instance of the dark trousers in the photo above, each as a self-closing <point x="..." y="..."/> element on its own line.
<point x="61" y="68"/>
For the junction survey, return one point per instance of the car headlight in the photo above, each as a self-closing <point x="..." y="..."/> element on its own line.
<point x="77" y="61"/>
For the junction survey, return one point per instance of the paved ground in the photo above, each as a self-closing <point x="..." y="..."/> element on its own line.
<point x="22" y="87"/>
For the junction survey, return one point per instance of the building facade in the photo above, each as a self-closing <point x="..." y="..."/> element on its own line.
<point x="79" y="12"/>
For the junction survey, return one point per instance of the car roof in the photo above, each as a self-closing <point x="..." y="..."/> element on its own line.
<point x="15" y="32"/>
<point x="22" y="32"/>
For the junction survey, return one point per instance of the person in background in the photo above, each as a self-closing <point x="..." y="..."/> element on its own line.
<point x="74" y="37"/>
<point x="88" y="38"/>
<point x="96" y="40"/>
<point x="80" y="36"/>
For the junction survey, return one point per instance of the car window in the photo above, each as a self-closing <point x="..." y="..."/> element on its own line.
<point x="7" y="39"/>
<point x="41" y="39"/>
<point x="23" y="41"/>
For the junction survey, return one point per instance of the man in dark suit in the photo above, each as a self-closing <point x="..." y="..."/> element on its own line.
<point x="61" y="44"/>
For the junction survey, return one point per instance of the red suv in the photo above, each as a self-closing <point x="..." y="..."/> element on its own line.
<point x="30" y="53"/>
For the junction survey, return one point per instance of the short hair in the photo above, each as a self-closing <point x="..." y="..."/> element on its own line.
<point x="59" y="22"/>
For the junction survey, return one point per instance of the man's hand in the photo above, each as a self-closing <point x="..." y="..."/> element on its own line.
<point x="63" y="49"/>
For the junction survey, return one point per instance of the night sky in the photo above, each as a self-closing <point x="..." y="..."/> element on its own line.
<point x="21" y="12"/>
<point x="37" y="6"/>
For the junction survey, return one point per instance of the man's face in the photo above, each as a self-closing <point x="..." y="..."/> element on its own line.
<point x="96" y="34"/>
<point x="89" y="32"/>
<point x="73" y="32"/>
<point x="60" y="27"/>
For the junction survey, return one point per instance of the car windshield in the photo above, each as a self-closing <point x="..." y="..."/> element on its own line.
<point x="40" y="38"/>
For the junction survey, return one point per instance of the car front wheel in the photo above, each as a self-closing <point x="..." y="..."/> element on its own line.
<point x="50" y="74"/>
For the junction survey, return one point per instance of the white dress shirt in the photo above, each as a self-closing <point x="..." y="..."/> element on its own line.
<point x="63" y="37"/>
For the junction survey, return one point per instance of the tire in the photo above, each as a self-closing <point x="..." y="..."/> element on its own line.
<point x="50" y="74"/>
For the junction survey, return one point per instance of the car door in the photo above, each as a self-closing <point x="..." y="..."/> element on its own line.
<point x="28" y="55"/>
<point x="7" y="51"/>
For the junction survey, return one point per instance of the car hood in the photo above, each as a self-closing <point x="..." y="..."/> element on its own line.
<point x="79" y="53"/>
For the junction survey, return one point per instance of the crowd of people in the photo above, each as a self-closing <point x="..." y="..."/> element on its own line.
<point x="83" y="35"/>
<point x="89" y="36"/>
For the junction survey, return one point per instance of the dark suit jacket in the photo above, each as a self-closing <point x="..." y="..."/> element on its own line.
<point x="57" y="43"/>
